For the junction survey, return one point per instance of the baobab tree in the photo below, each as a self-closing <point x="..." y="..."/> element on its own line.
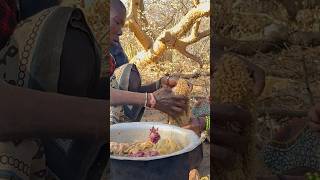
<point x="178" y="37"/>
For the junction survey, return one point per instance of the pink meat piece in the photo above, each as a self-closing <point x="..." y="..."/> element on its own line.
<point x="154" y="135"/>
<point x="144" y="154"/>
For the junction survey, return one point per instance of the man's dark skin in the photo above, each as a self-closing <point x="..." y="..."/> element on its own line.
<point x="166" y="101"/>
<point x="49" y="115"/>
<point x="74" y="82"/>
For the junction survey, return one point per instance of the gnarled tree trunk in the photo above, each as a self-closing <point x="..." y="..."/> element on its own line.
<point x="173" y="38"/>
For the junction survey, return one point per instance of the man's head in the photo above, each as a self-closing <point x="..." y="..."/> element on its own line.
<point x="117" y="19"/>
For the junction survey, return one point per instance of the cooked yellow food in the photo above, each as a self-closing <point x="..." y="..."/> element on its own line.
<point x="145" y="149"/>
<point x="154" y="146"/>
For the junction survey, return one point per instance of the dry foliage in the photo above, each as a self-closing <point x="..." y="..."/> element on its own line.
<point x="157" y="18"/>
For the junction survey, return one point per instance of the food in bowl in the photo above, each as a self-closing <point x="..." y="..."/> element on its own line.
<point x="153" y="146"/>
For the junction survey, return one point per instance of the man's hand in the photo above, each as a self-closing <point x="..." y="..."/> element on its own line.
<point x="314" y="115"/>
<point x="169" y="81"/>
<point x="169" y="103"/>
<point x="197" y="125"/>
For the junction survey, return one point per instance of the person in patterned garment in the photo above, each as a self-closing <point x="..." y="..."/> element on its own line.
<point x="295" y="150"/>
<point x="126" y="77"/>
<point x="293" y="154"/>
<point x="52" y="71"/>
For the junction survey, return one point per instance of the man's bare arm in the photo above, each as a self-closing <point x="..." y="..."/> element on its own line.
<point x="26" y="113"/>
<point x="120" y="97"/>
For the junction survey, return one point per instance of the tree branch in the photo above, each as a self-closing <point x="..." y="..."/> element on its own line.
<point x="169" y="22"/>
<point x="195" y="28"/>
<point x="202" y="10"/>
<point x="193" y="39"/>
<point x="171" y="38"/>
<point x="193" y="76"/>
<point x="191" y="56"/>
<point x="195" y="2"/>
<point x="135" y="27"/>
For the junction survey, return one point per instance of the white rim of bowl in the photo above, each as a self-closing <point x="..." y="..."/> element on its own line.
<point x="195" y="141"/>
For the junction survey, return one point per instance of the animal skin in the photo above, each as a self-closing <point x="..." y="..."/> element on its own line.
<point x="184" y="88"/>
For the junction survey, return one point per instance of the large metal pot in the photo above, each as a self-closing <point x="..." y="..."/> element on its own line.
<point x="175" y="166"/>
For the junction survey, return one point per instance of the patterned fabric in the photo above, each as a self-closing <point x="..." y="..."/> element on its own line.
<point x="304" y="152"/>
<point x="19" y="63"/>
<point x="120" y="80"/>
<point x="202" y="110"/>
<point x="26" y="159"/>
<point x="27" y="61"/>
<point x="8" y="20"/>
<point x="22" y="160"/>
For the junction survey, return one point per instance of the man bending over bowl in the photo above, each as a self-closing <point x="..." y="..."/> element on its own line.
<point x="156" y="95"/>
